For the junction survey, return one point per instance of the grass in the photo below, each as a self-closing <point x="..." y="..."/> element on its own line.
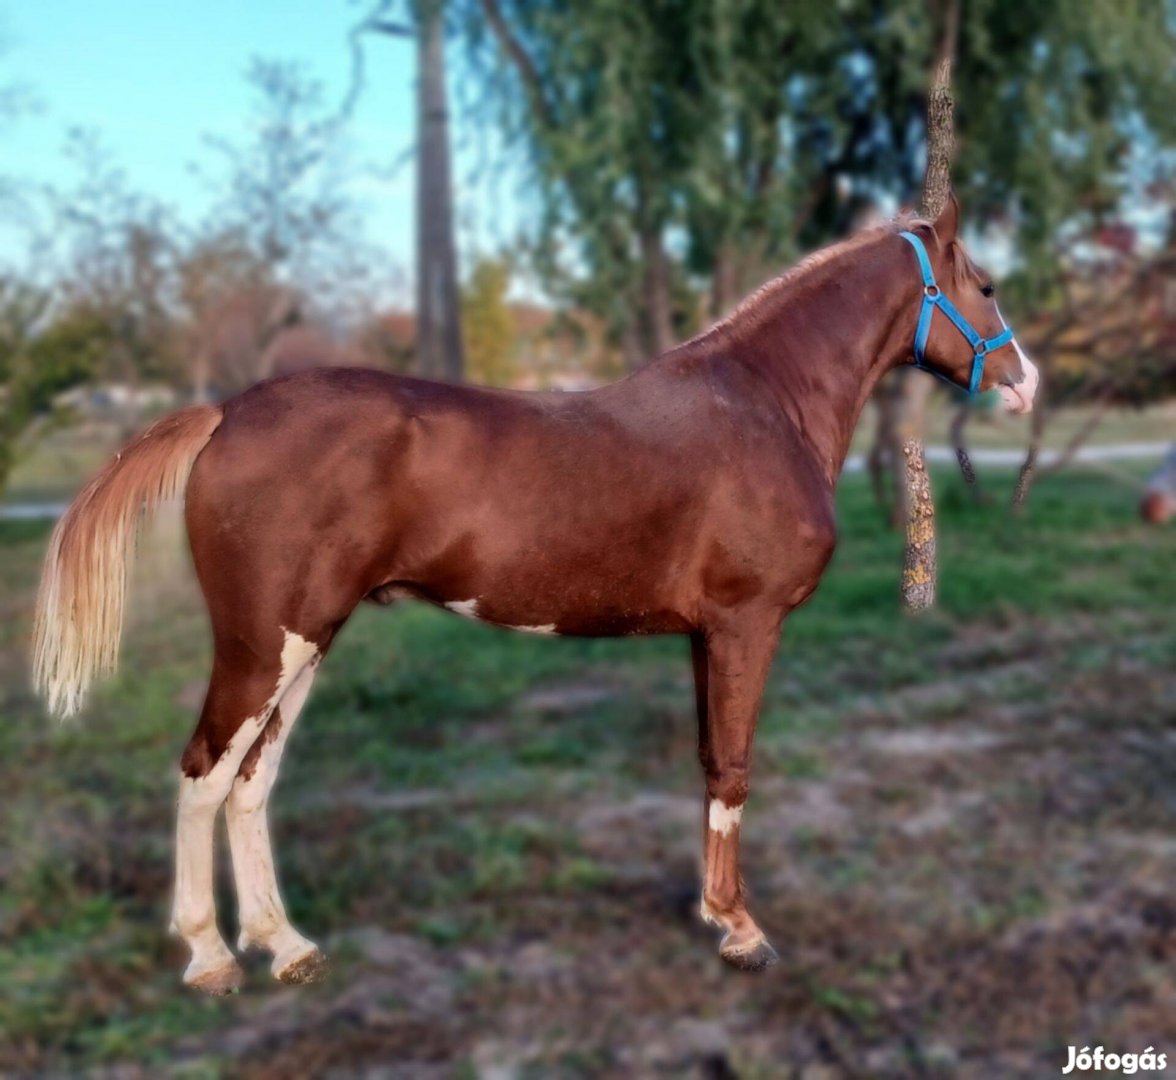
<point x="521" y="816"/>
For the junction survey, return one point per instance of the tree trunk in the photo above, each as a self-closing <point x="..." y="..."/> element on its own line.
<point x="725" y="290"/>
<point x="632" y="351"/>
<point x="439" y="347"/>
<point x="880" y="460"/>
<point x="958" y="423"/>
<point x="920" y="561"/>
<point x="1026" y="476"/>
<point x="658" y="304"/>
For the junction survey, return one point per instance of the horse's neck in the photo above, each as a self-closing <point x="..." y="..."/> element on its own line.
<point x="826" y="345"/>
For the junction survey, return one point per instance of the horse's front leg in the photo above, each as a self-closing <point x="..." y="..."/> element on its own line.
<point x="730" y="667"/>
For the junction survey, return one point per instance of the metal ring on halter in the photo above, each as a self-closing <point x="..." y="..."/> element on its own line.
<point x="931" y="292"/>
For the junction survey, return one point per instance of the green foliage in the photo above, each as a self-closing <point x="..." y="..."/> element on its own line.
<point x="72" y="349"/>
<point x="487" y="327"/>
<point x="34" y="367"/>
<point x="739" y="133"/>
<point x="1051" y="97"/>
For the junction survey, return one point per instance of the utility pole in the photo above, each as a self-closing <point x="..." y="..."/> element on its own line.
<point x="439" y="345"/>
<point x="438" y="312"/>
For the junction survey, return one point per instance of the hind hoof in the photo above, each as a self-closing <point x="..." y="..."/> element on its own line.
<point x="308" y="968"/>
<point x="226" y="979"/>
<point x="754" y="956"/>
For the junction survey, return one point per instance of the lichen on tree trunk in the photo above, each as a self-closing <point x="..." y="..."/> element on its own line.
<point x="919" y="563"/>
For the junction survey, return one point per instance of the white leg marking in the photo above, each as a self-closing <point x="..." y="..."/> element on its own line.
<point x="708" y="915"/>
<point x="723" y="818"/>
<point x="194" y="911"/>
<point x="548" y="628"/>
<point x="297" y="652"/>
<point x="262" y="914"/>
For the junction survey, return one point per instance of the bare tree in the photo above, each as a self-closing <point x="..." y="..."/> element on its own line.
<point x="116" y="259"/>
<point x="279" y="190"/>
<point x="234" y="310"/>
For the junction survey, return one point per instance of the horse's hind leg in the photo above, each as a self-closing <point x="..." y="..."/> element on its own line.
<point x="242" y="694"/>
<point x="264" y="924"/>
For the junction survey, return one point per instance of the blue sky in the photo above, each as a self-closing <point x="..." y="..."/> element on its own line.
<point x="155" y="77"/>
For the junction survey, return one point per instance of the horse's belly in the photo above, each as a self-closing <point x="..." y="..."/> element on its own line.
<point x="581" y="620"/>
<point x="553" y="586"/>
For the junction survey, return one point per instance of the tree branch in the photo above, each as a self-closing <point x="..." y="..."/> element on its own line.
<point x="532" y="82"/>
<point x="392" y="29"/>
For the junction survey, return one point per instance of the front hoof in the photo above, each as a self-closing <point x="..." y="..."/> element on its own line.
<point x="218" y="982"/>
<point x="308" y="968"/>
<point x="753" y="956"/>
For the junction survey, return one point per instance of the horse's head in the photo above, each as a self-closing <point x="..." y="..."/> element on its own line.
<point x="966" y="339"/>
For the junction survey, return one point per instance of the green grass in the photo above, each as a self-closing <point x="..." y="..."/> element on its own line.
<point x="415" y="701"/>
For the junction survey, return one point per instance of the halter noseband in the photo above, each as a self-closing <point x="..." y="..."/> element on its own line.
<point x="933" y="297"/>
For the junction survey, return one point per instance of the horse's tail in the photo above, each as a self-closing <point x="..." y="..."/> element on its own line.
<point x="84" y="580"/>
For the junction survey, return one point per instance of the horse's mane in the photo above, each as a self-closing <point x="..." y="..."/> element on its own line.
<point x="765" y="300"/>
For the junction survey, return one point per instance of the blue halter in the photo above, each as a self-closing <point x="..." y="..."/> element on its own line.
<point x="933" y="298"/>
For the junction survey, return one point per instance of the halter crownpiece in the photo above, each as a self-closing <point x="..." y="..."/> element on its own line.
<point x="933" y="297"/>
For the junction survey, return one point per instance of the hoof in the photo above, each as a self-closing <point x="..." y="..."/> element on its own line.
<point x="308" y="968"/>
<point x="754" y="956"/>
<point x="226" y="979"/>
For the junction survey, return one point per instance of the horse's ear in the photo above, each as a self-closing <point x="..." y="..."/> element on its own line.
<point x="948" y="222"/>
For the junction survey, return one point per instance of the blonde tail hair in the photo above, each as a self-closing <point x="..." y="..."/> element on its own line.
<point x="84" y="580"/>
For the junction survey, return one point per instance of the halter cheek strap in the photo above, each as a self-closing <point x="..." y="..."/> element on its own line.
<point x="933" y="298"/>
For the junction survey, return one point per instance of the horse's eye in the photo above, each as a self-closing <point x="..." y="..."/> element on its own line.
<point x="989" y="289"/>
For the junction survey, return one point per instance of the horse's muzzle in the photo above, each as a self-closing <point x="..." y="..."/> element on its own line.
<point x="1018" y="396"/>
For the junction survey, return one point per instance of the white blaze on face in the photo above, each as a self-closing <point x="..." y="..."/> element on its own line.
<point x="723" y="818"/>
<point x="1019" y="397"/>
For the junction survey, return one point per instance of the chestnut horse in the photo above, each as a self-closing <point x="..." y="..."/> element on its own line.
<point x="694" y="497"/>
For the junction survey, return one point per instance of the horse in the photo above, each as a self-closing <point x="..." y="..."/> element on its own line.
<point x="694" y="497"/>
